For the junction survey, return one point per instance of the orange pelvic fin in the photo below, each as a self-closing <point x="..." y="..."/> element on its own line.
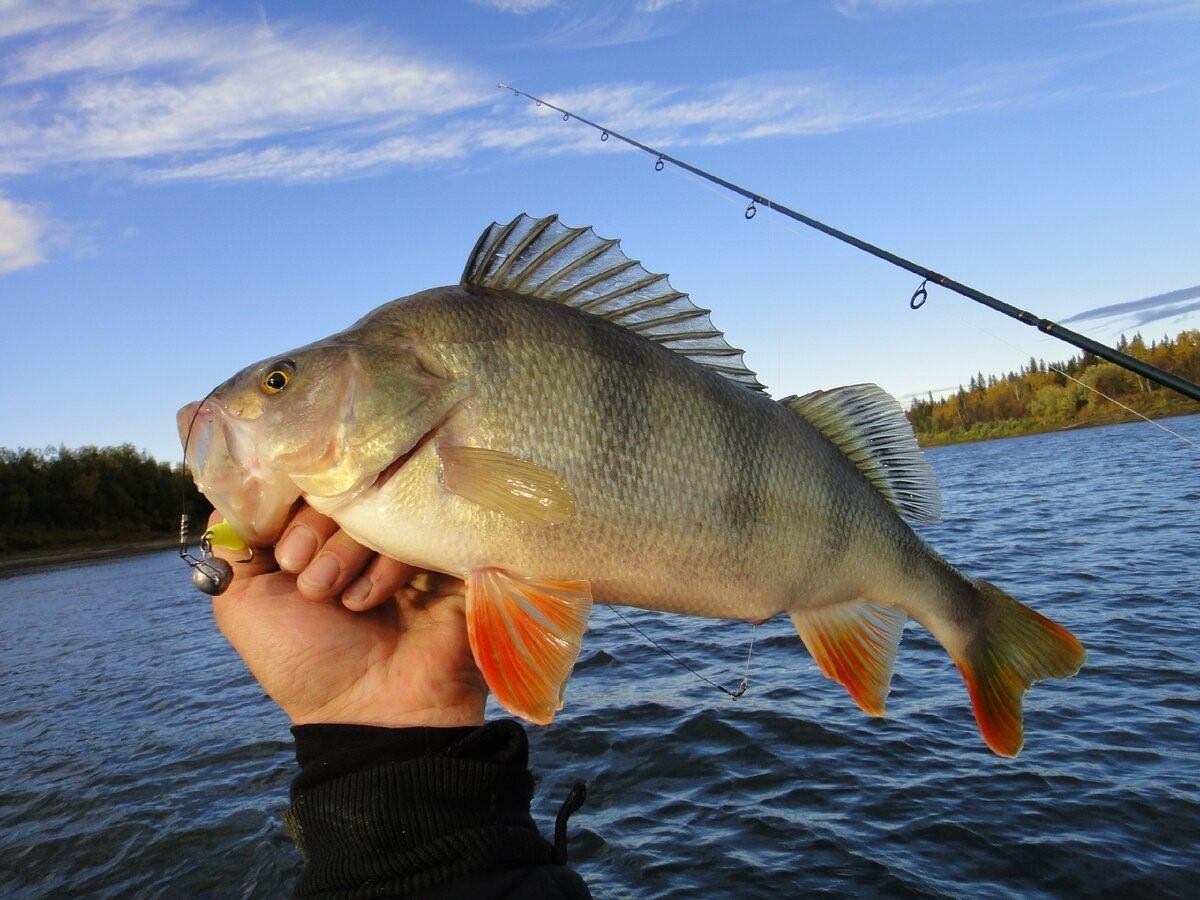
<point x="1013" y="648"/>
<point x="855" y="643"/>
<point x="525" y="635"/>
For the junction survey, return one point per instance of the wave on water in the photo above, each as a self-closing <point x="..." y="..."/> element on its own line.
<point x="138" y="757"/>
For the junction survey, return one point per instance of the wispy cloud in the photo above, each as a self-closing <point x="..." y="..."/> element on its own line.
<point x="517" y="7"/>
<point x="798" y="103"/>
<point x="606" y="25"/>
<point x="1129" y="12"/>
<point x="857" y="9"/>
<point x="20" y="17"/>
<point x="174" y="94"/>
<point x="654" y="6"/>
<point x="22" y="236"/>
<point x="1147" y="309"/>
<point x="164" y="84"/>
<point x="727" y="112"/>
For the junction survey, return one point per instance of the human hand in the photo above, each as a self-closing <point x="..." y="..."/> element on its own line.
<point x="329" y="647"/>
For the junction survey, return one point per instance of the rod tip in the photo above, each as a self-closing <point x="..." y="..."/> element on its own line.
<point x="502" y="85"/>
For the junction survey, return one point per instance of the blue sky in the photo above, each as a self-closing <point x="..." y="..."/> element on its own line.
<point x="186" y="187"/>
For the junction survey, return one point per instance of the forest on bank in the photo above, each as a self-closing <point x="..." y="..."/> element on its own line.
<point x="1040" y="397"/>
<point x="61" y="498"/>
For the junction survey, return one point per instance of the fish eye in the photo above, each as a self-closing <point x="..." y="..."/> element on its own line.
<point x="279" y="376"/>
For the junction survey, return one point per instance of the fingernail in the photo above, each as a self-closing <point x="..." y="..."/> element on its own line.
<point x="321" y="575"/>
<point x="296" y="550"/>
<point x="358" y="591"/>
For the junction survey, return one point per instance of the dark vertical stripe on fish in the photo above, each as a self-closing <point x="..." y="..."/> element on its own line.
<point x="746" y="451"/>
<point x="622" y="403"/>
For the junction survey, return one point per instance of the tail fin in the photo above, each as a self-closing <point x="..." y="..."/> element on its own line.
<point x="1012" y="648"/>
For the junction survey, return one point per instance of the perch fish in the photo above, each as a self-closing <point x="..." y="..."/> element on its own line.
<point x="563" y="427"/>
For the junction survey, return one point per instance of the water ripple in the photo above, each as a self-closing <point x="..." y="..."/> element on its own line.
<point x="137" y="756"/>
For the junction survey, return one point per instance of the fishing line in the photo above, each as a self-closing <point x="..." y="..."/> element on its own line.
<point x="210" y="574"/>
<point x="734" y="694"/>
<point x="919" y="298"/>
<point x="1083" y="342"/>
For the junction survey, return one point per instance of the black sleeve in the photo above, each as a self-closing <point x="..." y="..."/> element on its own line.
<point x="434" y="812"/>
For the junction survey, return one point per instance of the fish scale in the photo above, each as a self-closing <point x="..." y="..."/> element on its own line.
<point x="564" y="427"/>
<point x="670" y="496"/>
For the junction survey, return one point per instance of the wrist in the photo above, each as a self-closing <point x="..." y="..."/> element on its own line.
<point x="466" y="715"/>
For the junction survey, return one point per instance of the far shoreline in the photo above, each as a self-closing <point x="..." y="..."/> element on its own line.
<point x="1053" y="428"/>
<point x="39" y="561"/>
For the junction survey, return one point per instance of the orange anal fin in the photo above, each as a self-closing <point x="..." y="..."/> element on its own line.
<point x="525" y="635"/>
<point x="855" y="644"/>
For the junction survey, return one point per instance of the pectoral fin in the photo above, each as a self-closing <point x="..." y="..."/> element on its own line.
<point x="525" y="635"/>
<point x="502" y="483"/>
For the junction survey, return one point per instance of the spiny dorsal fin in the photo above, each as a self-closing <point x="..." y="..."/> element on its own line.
<point x="867" y="424"/>
<point x="574" y="266"/>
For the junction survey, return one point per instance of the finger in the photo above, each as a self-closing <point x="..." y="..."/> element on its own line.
<point x="339" y="562"/>
<point x="382" y="579"/>
<point x="426" y="589"/>
<point x="303" y="538"/>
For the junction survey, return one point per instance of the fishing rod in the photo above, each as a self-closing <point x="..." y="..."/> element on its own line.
<point x="921" y="294"/>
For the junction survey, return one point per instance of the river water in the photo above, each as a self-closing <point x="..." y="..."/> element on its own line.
<point x="138" y="757"/>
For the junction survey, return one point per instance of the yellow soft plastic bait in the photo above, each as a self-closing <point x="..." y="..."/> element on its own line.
<point x="222" y="535"/>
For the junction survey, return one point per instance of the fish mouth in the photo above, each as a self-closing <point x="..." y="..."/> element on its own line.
<point x="219" y="452"/>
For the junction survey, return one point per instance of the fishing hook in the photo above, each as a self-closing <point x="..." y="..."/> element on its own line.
<point x="733" y="695"/>
<point x="210" y="574"/>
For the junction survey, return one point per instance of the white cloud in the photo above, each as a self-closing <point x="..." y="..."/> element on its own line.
<point x="22" y="236"/>
<point x="322" y="162"/>
<point x="794" y="103"/>
<point x="18" y="17"/>
<point x="780" y="104"/>
<point x="163" y="84"/>
<point x="654" y="6"/>
<point x="173" y="95"/>
<point x="856" y="9"/>
<point x="602" y="25"/>
<point x="518" y="7"/>
<point x="1127" y="12"/>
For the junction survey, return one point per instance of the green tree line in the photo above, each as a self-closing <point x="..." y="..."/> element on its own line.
<point x="1040" y="397"/>
<point x="61" y="497"/>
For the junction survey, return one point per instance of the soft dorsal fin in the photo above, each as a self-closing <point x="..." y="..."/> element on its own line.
<point x="867" y="424"/>
<point x="544" y="258"/>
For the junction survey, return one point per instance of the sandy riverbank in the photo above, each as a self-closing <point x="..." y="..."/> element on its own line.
<point x="32" y="562"/>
